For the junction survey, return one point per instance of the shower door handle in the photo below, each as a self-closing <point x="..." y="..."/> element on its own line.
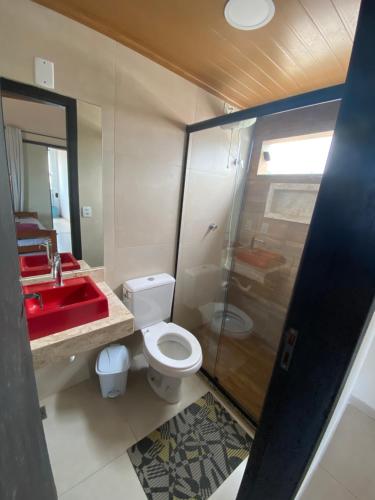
<point x="212" y="227"/>
<point x="289" y="344"/>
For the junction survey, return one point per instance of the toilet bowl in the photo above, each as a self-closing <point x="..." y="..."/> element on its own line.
<point x="227" y="319"/>
<point x="171" y="351"/>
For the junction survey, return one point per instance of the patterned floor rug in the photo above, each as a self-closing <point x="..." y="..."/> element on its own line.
<point x="189" y="456"/>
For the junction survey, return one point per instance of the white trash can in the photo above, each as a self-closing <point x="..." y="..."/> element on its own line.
<point x="112" y="367"/>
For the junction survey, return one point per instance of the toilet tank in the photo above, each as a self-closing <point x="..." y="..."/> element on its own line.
<point x="149" y="299"/>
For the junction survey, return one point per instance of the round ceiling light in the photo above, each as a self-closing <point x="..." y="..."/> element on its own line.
<point x="249" y="14"/>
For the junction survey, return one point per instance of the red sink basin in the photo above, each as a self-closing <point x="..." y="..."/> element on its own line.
<point x="77" y="302"/>
<point x="32" y="265"/>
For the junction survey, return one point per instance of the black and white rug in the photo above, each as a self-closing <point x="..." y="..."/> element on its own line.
<point x="189" y="456"/>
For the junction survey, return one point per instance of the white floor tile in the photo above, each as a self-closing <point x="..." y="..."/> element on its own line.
<point x="145" y="411"/>
<point x="116" y="481"/>
<point x="350" y="456"/>
<point x="84" y="432"/>
<point x="324" y="487"/>
<point x="229" y="488"/>
<point x="87" y="437"/>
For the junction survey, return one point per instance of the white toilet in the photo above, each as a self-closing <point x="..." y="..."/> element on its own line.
<point x="171" y="351"/>
<point x="227" y="319"/>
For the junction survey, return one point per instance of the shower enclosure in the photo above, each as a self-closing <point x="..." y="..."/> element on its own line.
<point x="250" y="190"/>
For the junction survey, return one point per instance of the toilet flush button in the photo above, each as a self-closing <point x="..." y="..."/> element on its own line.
<point x="151" y="279"/>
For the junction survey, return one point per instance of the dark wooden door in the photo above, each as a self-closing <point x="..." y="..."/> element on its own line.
<point x="25" y="471"/>
<point x="333" y="295"/>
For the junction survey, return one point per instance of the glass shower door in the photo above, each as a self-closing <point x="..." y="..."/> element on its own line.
<point x="249" y="196"/>
<point x="216" y="164"/>
<point x="286" y="167"/>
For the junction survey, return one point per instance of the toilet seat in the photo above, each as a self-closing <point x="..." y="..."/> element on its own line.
<point x="175" y="340"/>
<point x="215" y="314"/>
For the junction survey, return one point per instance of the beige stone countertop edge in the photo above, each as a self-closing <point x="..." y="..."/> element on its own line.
<point x="85" y="270"/>
<point x="55" y="347"/>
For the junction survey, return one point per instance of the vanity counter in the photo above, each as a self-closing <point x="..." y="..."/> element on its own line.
<point x="58" y="346"/>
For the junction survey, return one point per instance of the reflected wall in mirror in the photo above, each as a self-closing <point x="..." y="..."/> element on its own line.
<point x="37" y="160"/>
<point x="54" y="150"/>
<point x="90" y="176"/>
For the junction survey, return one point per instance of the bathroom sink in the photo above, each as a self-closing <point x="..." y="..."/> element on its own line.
<point x="260" y="258"/>
<point x="32" y="265"/>
<point x="76" y="302"/>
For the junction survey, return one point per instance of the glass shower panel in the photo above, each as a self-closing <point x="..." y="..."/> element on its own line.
<point x="216" y="165"/>
<point x="250" y="192"/>
<point x="287" y="162"/>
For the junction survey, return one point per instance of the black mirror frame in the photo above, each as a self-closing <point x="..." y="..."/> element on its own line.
<point x="70" y="105"/>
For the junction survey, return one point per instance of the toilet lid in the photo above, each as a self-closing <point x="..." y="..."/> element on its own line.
<point x="172" y="346"/>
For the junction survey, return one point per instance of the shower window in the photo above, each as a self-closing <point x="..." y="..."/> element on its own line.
<point x="303" y="154"/>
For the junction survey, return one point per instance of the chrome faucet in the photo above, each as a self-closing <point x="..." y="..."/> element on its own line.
<point x="36" y="296"/>
<point x="48" y="246"/>
<point x="212" y="227"/>
<point x="56" y="269"/>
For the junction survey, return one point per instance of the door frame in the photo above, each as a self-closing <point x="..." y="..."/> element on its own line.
<point x="45" y="96"/>
<point x="25" y="470"/>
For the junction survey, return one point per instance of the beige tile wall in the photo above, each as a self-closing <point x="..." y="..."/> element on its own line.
<point x="90" y="177"/>
<point x="144" y="111"/>
<point x="266" y="303"/>
<point x="210" y="188"/>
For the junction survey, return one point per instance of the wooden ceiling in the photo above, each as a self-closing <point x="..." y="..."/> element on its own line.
<point x="306" y="46"/>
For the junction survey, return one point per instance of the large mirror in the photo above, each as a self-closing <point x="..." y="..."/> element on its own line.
<point x="54" y="152"/>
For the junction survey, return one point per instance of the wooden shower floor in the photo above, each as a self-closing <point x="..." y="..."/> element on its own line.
<point x="242" y="367"/>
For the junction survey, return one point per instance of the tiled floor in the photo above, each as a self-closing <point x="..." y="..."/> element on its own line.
<point x="88" y="436"/>
<point x="347" y="469"/>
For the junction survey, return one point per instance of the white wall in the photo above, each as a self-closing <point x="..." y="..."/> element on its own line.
<point x="35" y="117"/>
<point x="364" y="388"/>
<point x="62" y="169"/>
<point x="145" y="110"/>
<point x="37" y="190"/>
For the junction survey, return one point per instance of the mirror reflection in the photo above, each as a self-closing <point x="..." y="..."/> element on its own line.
<point x="45" y="187"/>
<point x="90" y="179"/>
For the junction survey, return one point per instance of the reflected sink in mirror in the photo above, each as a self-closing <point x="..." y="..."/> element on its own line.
<point x="34" y="265"/>
<point x="257" y="257"/>
<point x="77" y="302"/>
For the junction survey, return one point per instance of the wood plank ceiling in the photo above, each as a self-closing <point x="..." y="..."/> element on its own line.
<point x="306" y="46"/>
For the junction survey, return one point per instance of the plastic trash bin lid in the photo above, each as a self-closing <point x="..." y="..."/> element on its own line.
<point x="113" y="359"/>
